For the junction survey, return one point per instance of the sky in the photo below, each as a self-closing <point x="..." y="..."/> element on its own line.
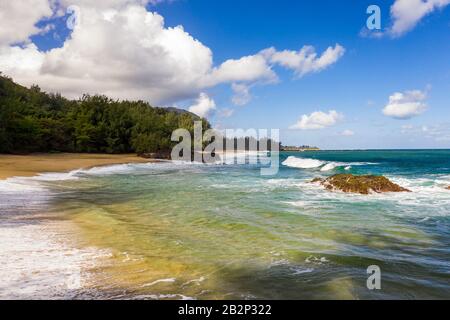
<point x="312" y="69"/>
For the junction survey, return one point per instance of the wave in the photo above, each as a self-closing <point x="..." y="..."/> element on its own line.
<point x="39" y="183"/>
<point x="302" y="163"/>
<point x="170" y="296"/>
<point x="307" y="163"/>
<point x="300" y="204"/>
<point x="112" y="169"/>
<point x="331" y="166"/>
<point x="168" y="280"/>
<point x="34" y="184"/>
<point x="45" y="262"/>
<point x="423" y="185"/>
<point x="14" y="185"/>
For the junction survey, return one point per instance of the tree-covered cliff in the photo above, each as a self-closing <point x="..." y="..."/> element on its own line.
<point x="34" y="121"/>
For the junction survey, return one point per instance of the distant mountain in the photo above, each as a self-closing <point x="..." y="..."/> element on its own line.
<point x="182" y="111"/>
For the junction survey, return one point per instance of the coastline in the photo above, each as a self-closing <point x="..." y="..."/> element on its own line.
<point x="40" y="253"/>
<point x="33" y="164"/>
<point x="143" y="231"/>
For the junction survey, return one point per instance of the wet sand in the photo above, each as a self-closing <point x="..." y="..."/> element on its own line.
<point x="31" y="165"/>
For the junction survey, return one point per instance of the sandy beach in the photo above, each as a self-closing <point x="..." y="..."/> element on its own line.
<point x="31" y="165"/>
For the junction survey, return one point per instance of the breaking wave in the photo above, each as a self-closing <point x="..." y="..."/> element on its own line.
<point x="307" y="163"/>
<point x="302" y="163"/>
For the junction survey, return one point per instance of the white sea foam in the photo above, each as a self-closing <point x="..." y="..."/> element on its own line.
<point x="278" y="262"/>
<point x="302" y="163"/>
<point x="195" y="281"/>
<point x="429" y="196"/>
<point x="38" y="183"/>
<point x="29" y="183"/>
<point x="316" y="260"/>
<point x="37" y="262"/>
<point x="284" y="182"/>
<point x="172" y="296"/>
<point x="331" y="165"/>
<point x="56" y="176"/>
<point x="300" y="270"/>
<point x="168" y="280"/>
<point x="107" y="170"/>
<point x="15" y="185"/>
<point x="299" y="204"/>
<point x="428" y="193"/>
<point x="307" y="163"/>
<point x="432" y="185"/>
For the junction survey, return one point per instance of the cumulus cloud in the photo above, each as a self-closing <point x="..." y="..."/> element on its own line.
<point x="317" y="120"/>
<point x="258" y="68"/>
<point x="127" y="54"/>
<point x="250" y="68"/>
<point x="18" y="19"/>
<point x="120" y="49"/>
<point x="306" y="60"/>
<point x="241" y="95"/>
<point x="347" y="133"/>
<point x="203" y="106"/>
<point x="103" y="4"/>
<point x="407" y="13"/>
<point x="406" y="105"/>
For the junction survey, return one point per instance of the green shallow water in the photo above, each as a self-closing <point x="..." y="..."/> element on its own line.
<point x="226" y="232"/>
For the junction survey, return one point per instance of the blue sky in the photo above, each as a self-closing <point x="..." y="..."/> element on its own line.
<point x="358" y="85"/>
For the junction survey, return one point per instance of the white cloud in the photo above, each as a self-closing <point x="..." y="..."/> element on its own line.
<point x="406" y="128"/>
<point x="127" y="55"/>
<point x="226" y="113"/>
<point x="438" y="132"/>
<point x="407" y="13"/>
<point x="121" y="50"/>
<point x="250" y="69"/>
<point x="241" y="95"/>
<point x="317" y="120"/>
<point x="203" y="106"/>
<point x="406" y="105"/>
<point x="374" y="34"/>
<point x="18" y="19"/>
<point x="306" y="59"/>
<point x="347" y="133"/>
<point x="104" y="4"/>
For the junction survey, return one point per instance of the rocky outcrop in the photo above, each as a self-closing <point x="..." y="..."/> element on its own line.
<point x="360" y="184"/>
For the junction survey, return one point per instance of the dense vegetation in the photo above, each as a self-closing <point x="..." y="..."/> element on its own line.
<point x="34" y="121"/>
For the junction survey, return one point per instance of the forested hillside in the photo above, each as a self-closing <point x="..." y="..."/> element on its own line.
<point x="34" y="121"/>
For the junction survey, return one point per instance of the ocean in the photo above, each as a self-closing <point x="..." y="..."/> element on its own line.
<point x="193" y="231"/>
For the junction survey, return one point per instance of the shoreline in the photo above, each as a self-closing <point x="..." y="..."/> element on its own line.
<point x="34" y="164"/>
<point x="77" y="240"/>
<point x="41" y="254"/>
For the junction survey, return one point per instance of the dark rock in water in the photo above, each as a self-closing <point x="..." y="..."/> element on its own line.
<point x="448" y="188"/>
<point x="360" y="184"/>
<point x="315" y="180"/>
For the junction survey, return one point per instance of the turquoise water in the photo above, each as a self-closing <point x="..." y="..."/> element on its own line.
<point x="226" y="232"/>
